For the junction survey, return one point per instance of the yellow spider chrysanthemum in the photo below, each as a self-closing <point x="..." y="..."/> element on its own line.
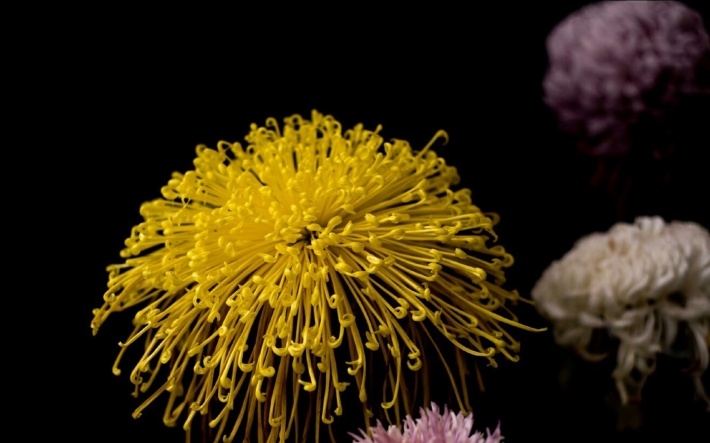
<point x="256" y="271"/>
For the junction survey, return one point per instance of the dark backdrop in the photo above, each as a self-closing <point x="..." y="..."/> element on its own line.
<point x="150" y="87"/>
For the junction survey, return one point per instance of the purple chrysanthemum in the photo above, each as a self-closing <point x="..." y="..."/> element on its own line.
<point x="619" y="65"/>
<point x="430" y="427"/>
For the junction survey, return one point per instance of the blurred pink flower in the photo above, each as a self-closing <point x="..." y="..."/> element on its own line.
<point x="431" y="427"/>
<point x="618" y="69"/>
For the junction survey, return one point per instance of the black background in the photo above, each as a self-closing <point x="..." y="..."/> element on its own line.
<point x="149" y="87"/>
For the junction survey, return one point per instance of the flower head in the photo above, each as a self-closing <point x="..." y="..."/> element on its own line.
<point x="646" y="284"/>
<point x="616" y="64"/>
<point x="430" y="427"/>
<point x="259" y="270"/>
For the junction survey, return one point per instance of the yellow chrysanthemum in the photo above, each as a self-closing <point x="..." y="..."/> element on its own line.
<point x="257" y="269"/>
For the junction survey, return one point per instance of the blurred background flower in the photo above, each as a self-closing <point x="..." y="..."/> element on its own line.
<point x="629" y="81"/>
<point x="620" y="67"/>
<point x="646" y="287"/>
<point x="432" y="426"/>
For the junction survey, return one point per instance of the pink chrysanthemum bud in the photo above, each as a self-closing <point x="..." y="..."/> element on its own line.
<point x="430" y="427"/>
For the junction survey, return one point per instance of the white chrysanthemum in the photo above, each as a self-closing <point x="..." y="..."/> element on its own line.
<point x="644" y="283"/>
